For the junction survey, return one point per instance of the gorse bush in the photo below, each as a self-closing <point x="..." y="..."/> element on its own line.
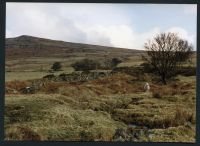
<point x="86" y="65"/>
<point x="90" y="64"/>
<point x="111" y="63"/>
<point x="115" y="62"/>
<point x="56" y="66"/>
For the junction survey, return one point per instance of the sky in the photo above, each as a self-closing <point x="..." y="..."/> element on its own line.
<point x="116" y="25"/>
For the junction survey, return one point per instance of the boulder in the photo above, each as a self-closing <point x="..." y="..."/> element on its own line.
<point x="27" y="90"/>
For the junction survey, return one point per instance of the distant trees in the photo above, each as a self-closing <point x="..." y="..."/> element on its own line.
<point x="56" y="66"/>
<point x="115" y="62"/>
<point x="111" y="63"/>
<point x="90" y="64"/>
<point x="166" y="53"/>
<point x="86" y="65"/>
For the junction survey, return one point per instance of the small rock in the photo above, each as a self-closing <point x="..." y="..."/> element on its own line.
<point x="132" y="126"/>
<point x="151" y="136"/>
<point x="119" y="139"/>
<point x="188" y="125"/>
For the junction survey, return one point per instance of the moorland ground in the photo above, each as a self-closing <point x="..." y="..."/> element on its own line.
<point x="113" y="107"/>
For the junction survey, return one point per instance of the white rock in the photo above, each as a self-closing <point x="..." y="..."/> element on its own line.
<point x="146" y="87"/>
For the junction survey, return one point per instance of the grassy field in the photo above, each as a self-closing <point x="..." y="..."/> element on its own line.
<point x="111" y="108"/>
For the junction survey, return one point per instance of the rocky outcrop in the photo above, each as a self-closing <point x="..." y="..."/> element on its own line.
<point x="132" y="133"/>
<point x="77" y="76"/>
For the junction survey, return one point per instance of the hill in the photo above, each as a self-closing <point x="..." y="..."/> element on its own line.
<point x="29" y="46"/>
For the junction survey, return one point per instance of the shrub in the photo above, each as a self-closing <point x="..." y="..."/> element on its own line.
<point x="62" y="76"/>
<point x="86" y="65"/>
<point x="111" y="63"/>
<point x="186" y="71"/>
<point x="115" y="62"/>
<point x="147" y="68"/>
<point x="56" y="66"/>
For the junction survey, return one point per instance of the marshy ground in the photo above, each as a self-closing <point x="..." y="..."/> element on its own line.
<point x="109" y="108"/>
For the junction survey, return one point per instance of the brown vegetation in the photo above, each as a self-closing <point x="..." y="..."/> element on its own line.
<point x="22" y="133"/>
<point x="100" y="105"/>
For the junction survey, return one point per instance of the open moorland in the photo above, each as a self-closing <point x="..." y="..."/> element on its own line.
<point x="100" y="105"/>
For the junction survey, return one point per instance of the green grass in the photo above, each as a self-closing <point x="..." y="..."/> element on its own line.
<point x="79" y="114"/>
<point x="56" y="119"/>
<point x="29" y="75"/>
<point x="94" y="110"/>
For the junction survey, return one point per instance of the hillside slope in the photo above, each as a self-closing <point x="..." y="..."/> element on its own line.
<point x="29" y="46"/>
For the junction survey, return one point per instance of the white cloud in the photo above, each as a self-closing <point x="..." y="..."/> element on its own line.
<point x="144" y="37"/>
<point x="122" y="36"/>
<point x="182" y="33"/>
<point x="102" y="25"/>
<point x="119" y="35"/>
<point x="39" y="21"/>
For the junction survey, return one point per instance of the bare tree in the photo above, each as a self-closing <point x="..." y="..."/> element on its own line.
<point x="166" y="53"/>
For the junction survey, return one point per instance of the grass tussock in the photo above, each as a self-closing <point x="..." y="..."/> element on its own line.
<point x="22" y="133"/>
<point x="173" y="134"/>
<point x="51" y="87"/>
<point x="95" y="110"/>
